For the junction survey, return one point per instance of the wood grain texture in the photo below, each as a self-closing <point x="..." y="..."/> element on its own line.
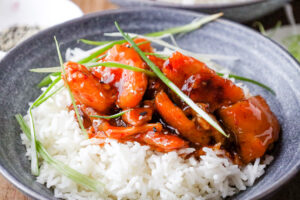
<point x="289" y="192"/>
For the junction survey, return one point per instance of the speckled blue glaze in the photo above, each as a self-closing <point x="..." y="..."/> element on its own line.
<point x="259" y="58"/>
<point x="238" y="11"/>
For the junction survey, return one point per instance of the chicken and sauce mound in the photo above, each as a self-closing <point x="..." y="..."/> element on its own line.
<point x="157" y="117"/>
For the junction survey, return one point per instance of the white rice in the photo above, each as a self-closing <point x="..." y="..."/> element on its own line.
<point x="130" y="171"/>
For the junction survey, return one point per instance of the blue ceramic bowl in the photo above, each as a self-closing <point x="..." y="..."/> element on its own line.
<point x="259" y="59"/>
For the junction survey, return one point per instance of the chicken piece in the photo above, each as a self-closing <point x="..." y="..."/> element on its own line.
<point x="139" y="116"/>
<point x="175" y="117"/>
<point x="115" y="132"/>
<point x="201" y="83"/>
<point x="254" y="125"/>
<point x="162" y="142"/>
<point x="87" y="89"/>
<point x="131" y="85"/>
<point x="201" y="122"/>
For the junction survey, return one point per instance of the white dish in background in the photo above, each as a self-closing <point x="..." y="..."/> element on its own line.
<point x="43" y="13"/>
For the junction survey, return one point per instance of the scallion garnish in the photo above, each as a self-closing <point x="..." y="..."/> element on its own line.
<point x="171" y="85"/>
<point x="97" y="64"/>
<point x="47" y="80"/>
<point x="100" y="51"/>
<point x="48" y="96"/>
<point x="72" y="174"/>
<point x="34" y="155"/>
<point x="175" y="30"/>
<point x="96" y="43"/>
<point x="122" y="66"/>
<point x="249" y="80"/>
<point x="188" y="27"/>
<point x="68" y="88"/>
<point x="111" y="116"/>
<point x="46" y="70"/>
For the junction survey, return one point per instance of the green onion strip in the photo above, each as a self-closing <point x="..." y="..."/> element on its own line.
<point x="179" y="29"/>
<point x="111" y="116"/>
<point x="75" y="176"/>
<point x="34" y="155"/>
<point x="248" y="80"/>
<point x="68" y="88"/>
<point x="149" y="73"/>
<point x="171" y="85"/>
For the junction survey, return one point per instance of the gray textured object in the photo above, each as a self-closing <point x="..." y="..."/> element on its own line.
<point x="237" y="11"/>
<point x="259" y="58"/>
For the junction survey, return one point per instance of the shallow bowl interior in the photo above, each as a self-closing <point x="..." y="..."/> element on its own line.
<point x="258" y="58"/>
<point x="240" y="11"/>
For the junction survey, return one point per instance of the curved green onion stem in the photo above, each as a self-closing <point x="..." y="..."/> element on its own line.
<point x="47" y="80"/>
<point x="171" y="85"/>
<point x="46" y="70"/>
<point x="34" y="156"/>
<point x="90" y="42"/>
<point x="250" y="81"/>
<point x="119" y="65"/>
<point x="97" y="64"/>
<point x="72" y="174"/>
<point x="175" y="30"/>
<point x="111" y="116"/>
<point x="69" y="90"/>
<point x="48" y="96"/>
<point x="188" y="27"/>
<point x="132" y="68"/>
<point x="108" y="46"/>
<point x="100" y="51"/>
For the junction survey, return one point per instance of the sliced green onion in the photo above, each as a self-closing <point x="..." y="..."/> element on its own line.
<point x="47" y="80"/>
<point x="171" y="85"/>
<point x="55" y="81"/>
<point x="34" y="156"/>
<point x="179" y="29"/>
<point x="97" y="64"/>
<point x="68" y="87"/>
<point x="111" y="116"/>
<point x="72" y="174"/>
<point x="122" y="66"/>
<point x="250" y="81"/>
<point x="188" y="27"/>
<point x="46" y="70"/>
<point x="100" y="51"/>
<point x="97" y="43"/>
<point x="48" y="96"/>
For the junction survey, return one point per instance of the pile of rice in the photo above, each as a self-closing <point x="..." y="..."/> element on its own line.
<point x="130" y="171"/>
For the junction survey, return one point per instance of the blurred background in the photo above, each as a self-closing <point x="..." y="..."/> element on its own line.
<point x="277" y="19"/>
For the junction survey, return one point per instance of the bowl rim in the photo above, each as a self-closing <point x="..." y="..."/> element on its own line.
<point x="264" y="192"/>
<point x="196" y="5"/>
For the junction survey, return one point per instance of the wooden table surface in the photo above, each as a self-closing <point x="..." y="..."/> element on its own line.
<point x="288" y="192"/>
